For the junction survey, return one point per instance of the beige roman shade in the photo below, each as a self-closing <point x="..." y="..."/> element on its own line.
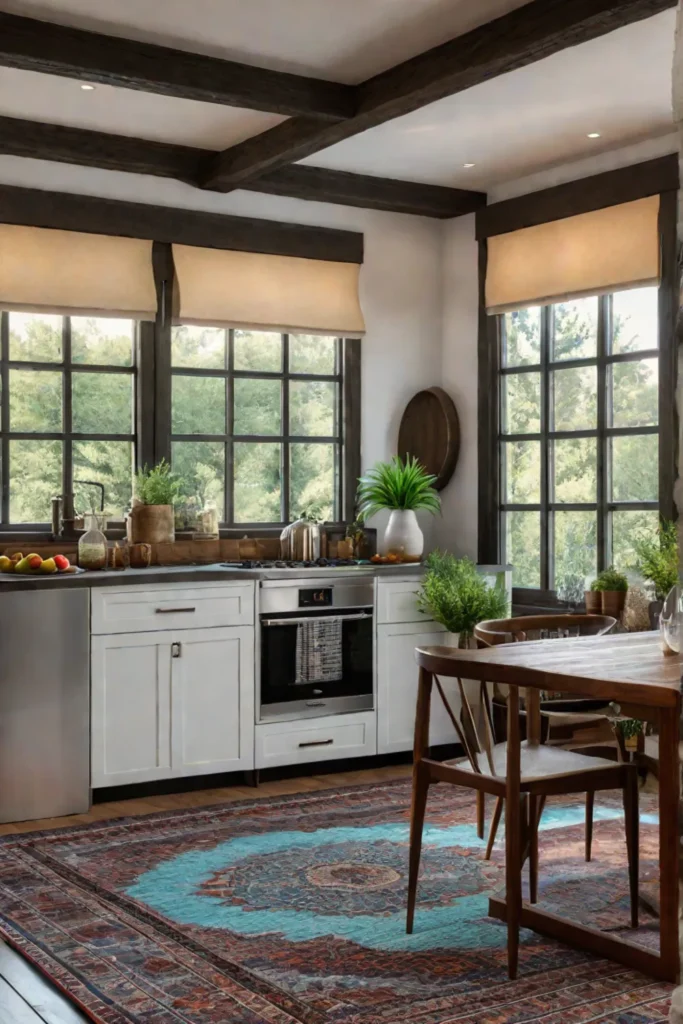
<point x="592" y="253"/>
<point x="76" y="274"/>
<point x="254" y="291"/>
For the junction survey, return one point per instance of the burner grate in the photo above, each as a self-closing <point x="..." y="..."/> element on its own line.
<point x="320" y="563"/>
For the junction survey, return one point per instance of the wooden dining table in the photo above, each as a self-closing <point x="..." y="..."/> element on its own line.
<point x="631" y="670"/>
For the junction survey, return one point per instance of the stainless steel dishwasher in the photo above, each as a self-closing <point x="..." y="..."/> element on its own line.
<point x="44" y="703"/>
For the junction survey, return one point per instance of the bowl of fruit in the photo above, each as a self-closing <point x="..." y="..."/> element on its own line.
<point x="34" y="565"/>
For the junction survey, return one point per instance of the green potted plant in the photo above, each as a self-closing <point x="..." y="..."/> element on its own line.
<point x="612" y="586"/>
<point x="151" y="520"/>
<point x="658" y="565"/>
<point x="456" y="595"/>
<point x="403" y="488"/>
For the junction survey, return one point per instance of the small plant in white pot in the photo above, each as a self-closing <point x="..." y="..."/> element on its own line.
<point x="403" y="488"/>
<point x="457" y="596"/>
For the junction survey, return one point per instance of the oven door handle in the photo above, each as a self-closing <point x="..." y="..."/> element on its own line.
<point x="316" y="618"/>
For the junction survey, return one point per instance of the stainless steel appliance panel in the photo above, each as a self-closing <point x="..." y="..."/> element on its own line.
<point x="44" y="703"/>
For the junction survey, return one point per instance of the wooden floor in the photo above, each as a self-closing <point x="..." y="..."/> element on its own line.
<point x="25" y="997"/>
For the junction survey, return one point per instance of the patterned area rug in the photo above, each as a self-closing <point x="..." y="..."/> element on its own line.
<point x="283" y="911"/>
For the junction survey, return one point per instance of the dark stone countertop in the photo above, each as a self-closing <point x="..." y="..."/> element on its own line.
<point x="190" y="574"/>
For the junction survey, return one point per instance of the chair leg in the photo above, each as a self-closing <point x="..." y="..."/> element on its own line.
<point x="590" y="800"/>
<point x="632" y="823"/>
<point x="514" y="814"/>
<point x="417" y="817"/>
<point x="495" y="822"/>
<point x="533" y="849"/>
<point x="536" y="805"/>
<point x="481" y="813"/>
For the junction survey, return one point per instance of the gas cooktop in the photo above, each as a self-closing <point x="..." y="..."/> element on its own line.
<point x="320" y="563"/>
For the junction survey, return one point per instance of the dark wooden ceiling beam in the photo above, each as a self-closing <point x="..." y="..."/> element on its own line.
<point x="88" y="148"/>
<point x="610" y="188"/>
<point x="526" y="35"/>
<point x="33" y="45"/>
<point x="69" y="212"/>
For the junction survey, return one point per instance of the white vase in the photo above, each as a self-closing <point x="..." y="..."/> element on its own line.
<point x="403" y="535"/>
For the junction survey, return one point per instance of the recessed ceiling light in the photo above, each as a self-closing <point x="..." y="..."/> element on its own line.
<point x="87" y="88"/>
<point x="594" y="135"/>
<point x="467" y="166"/>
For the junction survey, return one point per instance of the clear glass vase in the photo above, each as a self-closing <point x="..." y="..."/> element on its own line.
<point x="670" y="620"/>
<point x="92" y="546"/>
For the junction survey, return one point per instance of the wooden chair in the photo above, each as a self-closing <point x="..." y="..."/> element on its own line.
<point x="521" y="774"/>
<point x="559" y="715"/>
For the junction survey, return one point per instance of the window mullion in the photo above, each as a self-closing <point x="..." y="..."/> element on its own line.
<point x="4" y="417"/>
<point x="67" y="420"/>
<point x="603" y="460"/>
<point x="229" y="483"/>
<point x="547" y="571"/>
<point x="284" y="454"/>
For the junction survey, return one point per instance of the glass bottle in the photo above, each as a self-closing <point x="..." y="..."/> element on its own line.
<point x="92" y="546"/>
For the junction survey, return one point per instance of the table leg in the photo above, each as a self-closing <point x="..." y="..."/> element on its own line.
<point x="513" y="832"/>
<point x="669" y="771"/>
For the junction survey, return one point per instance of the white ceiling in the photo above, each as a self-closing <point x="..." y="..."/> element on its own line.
<point x="512" y="126"/>
<point x="123" y="112"/>
<point x="343" y="40"/>
<point x="618" y="85"/>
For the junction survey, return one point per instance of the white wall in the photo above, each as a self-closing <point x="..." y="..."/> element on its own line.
<point x="457" y="528"/>
<point x="400" y="280"/>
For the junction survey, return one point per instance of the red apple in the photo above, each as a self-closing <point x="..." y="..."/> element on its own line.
<point x="34" y="562"/>
<point x="62" y="562"/>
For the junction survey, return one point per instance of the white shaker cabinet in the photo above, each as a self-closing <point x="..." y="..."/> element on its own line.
<point x="130" y="708"/>
<point x="401" y="628"/>
<point x="212" y="695"/>
<point x="171" y="702"/>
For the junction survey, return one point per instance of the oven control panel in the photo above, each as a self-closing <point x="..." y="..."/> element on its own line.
<point x="315" y="597"/>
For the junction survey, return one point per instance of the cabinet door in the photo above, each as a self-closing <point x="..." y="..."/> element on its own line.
<point x="397" y="688"/>
<point x="213" y="700"/>
<point x="131" y="709"/>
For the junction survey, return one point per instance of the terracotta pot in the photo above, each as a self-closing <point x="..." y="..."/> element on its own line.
<point x="140" y="556"/>
<point x="593" y="602"/>
<point x="151" y="524"/>
<point x="613" y="602"/>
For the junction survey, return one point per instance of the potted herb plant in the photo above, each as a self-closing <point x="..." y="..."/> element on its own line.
<point x="658" y="565"/>
<point x="612" y="586"/>
<point x="457" y="596"/>
<point x="151" y="520"/>
<point x="403" y="488"/>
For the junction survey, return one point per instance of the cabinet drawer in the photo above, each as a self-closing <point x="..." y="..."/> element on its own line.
<point x="145" y="609"/>
<point x="319" y="739"/>
<point x="397" y="602"/>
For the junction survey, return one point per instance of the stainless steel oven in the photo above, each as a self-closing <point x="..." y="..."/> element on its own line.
<point x="316" y="647"/>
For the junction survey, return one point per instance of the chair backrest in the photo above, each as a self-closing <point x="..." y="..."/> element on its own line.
<point x="541" y="627"/>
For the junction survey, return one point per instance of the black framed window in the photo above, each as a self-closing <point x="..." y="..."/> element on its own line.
<point x="578" y="435"/>
<point x="257" y="422"/>
<point x="67" y="399"/>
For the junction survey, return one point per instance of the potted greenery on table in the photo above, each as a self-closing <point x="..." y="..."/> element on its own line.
<point x="403" y="488"/>
<point x="456" y="595"/>
<point x="151" y="519"/>
<point x="611" y="587"/>
<point x="658" y="565"/>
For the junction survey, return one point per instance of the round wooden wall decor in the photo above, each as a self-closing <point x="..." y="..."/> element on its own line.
<point x="430" y="430"/>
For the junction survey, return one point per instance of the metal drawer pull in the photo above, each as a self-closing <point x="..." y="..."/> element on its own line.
<point x="316" y="618"/>
<point x="317" y="743"/>
<point x="315" y="703"/>
<point x="173" y="611"/>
